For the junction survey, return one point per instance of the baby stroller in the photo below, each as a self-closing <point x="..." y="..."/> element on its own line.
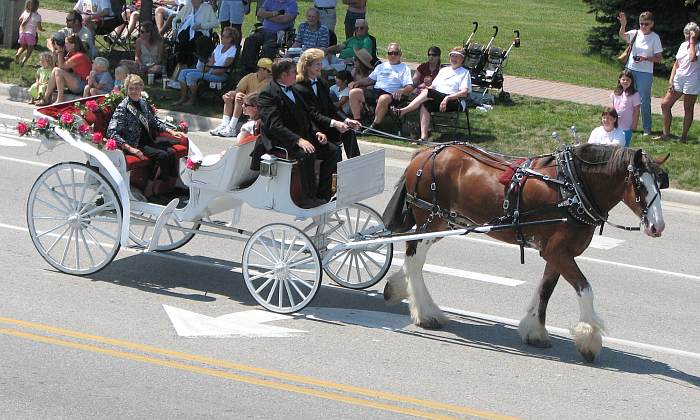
<point x="491" y="75"/>
<point x="474" y="58"/>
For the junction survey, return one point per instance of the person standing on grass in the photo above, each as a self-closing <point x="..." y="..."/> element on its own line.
<point x="684" y="81"/>
<point x="646" y="50"/>
<point x="29" y="24"/>
<point x="231" y="13"/>
<point x="326" y="10"/>
<point x="626" y="102"/>
<point x="357" y="9"/>
<point x="608" y="132"/>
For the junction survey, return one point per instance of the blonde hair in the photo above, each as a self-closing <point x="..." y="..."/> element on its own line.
<point x="121" y="71"/>
<point x="48" y="56"/>
<point x="310" y="55"/>
<point x="133" y="79"/>
<point x="101" y="63"/>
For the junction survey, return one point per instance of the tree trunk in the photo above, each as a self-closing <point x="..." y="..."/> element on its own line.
<point x="9" y="25"/>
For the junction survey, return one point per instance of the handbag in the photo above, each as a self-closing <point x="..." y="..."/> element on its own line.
<point x="625" y="56"/>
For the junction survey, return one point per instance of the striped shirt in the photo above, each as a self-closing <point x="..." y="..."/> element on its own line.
<point x="309" y="39"/>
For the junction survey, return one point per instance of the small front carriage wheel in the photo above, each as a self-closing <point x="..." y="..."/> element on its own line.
<point x="281" y="268"/>
<point x="74" y="218"/>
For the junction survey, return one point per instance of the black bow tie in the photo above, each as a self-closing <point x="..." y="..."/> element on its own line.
<point x="313" y="82"/>
<point x="286" y="88"/>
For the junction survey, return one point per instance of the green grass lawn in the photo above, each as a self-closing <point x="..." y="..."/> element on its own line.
<point x="525" y="129"/>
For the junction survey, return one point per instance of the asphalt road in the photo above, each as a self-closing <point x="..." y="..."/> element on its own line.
<point x="104" y="345"/>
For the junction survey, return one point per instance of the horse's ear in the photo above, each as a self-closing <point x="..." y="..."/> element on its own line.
<point x="638" y="158"/>
<point x="660" y="160"/>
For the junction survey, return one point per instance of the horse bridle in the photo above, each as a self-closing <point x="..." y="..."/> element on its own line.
<point x="634" y="176"/>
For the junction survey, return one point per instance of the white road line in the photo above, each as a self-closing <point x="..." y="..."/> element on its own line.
<point x="565" y="333"/>
<point x="494" y="318"/>
<point x="28" y="162"/>
<point x="596" y="260"/>
<point x="438" y="269"/>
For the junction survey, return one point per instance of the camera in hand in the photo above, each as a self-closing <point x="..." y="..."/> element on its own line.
<point x="58" y="41"/>
<point x="280" y="12"/>
<point x="637" y="58"/>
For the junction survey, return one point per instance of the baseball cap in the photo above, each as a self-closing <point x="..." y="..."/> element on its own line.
<point x="265" y="63"/>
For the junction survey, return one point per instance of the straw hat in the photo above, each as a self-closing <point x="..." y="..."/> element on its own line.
<point x="364" y="57"/>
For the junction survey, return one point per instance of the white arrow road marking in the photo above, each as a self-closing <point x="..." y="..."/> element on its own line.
<point x="370" y="319"/>
<point x="9" y="141"/>
<point x="605" y="243"/>
<point x="244" y="324"/>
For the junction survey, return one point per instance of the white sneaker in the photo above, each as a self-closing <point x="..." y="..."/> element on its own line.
<point x="228" y="132"/>
<point x="217" y="131"/>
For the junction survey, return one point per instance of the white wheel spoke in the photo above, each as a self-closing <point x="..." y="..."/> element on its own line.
<point x="299" y="251"/>
<point x="265" y="274"/>
<point x="302" y="281"/>
<point x="96" y="210"/>
<point x="87" y="248"/>
<point x="337" y="270"/>
<point x="94" y="240"/>
<point x="293" y="281"/>
<point x="48" y="218"/>
<point x="262" y="256"/>
<point x="264" y="285"/>
<point x="269" y="251"/>
<point x="75" y="196"/>
<point x="77" y="248"/>
<point x="65" y="193"/>
<point x="48" y="251"/>
<point x="379" y="266"/>
<point x="52" y="229"/>
<point x="357" y="268"/>
<point x="289" y="293"/>
<point x="272" y="291"/>
<point x="300" y="262"/>
<point x="90" y="200"/>
<point x="65" y="249"/>
<point x="109" y="235"/>
<point x="291" y="246"/>
<point x="51" y="206"/>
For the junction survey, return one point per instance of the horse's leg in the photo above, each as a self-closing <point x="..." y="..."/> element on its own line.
<point x="396" y="288"/>
<point x="588" y="332"/>
<point x="424" y="312"/>
<point x="532" y="327"/>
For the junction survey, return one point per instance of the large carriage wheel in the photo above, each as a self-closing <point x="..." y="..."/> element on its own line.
<point x="74" y="218"/>
<point x="356" y="268"/>
<point x="173" y="236"/>
<point x="282" y="268"/>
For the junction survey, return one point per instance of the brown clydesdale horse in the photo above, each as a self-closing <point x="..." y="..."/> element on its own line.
<point x="457" y="185"/>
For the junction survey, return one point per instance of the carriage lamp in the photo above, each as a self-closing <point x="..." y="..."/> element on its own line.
<point x="268" y="166"/>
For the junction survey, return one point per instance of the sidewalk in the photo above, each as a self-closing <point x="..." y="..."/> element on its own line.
<point x="513" y="84"/>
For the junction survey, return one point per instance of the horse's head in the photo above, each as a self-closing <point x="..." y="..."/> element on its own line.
<point x="645" y="180"/>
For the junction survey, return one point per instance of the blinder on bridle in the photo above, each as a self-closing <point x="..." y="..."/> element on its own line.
<point x="660" y="179"/>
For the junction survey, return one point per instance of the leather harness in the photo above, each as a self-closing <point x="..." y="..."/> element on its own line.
<point x="572" y="194"/>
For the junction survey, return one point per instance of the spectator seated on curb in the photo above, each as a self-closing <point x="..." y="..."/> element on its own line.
<point x="99" y="82"/>
<point x="444" y="94"/>
<point x="148" y="52"/>
<point x="390" y="81"/>
<point x="276" y="15"/>
<point x="71" y="70"/>
<point x="234" y="101"/>
<point x="312" y="34"/>
<point x="74" y="25"/>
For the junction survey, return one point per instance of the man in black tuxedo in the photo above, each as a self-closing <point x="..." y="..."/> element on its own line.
<point x="316" y="94"/>
<point x="287" y="123"/>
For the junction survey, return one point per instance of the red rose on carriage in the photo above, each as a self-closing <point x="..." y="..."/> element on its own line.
<point x="22" y="128"/>
<point x="97" y="138"/>
<point x="192" y="164"/>
<point x="183" y="126"/>
<point x="42" y="123"/>
<point x="92" y="105"/>
<point x="84" y="128"/>
<point x="111" y="144"/>
<point x="67" y="120"/>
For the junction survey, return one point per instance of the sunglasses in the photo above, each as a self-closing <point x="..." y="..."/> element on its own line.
<point x="644" y="23"/>
<point x="248" y="105"/>
<point x="393" y="53"/>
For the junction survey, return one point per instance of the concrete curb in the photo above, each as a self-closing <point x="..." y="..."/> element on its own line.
<point x="204" y="124"/>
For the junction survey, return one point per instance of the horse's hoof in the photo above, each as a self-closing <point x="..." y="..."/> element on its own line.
<point x="589" y="356"/>
<point x="432" y="324"/>
<point x="540" y="344"/>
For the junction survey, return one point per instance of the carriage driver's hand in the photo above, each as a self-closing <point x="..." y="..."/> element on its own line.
<point x="322" y="138"/>
<point x="177" y="134"/>
<point x="305" y="145"/>
<point x="134" y="151"/>
<point x="341" y="127"/>
<point x="354" y="124"/>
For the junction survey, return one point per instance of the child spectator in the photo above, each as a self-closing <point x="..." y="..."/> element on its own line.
<point x="43" y="74"/>
<point x="252" y="126"/>
<point x="120" y="74"/>
<point x="340" y="93"/>
<point x="29" y="23"/>
<point x="626" y="102"/>
<point x="99" y="81"/>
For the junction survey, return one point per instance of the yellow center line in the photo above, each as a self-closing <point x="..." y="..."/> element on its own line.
<point x="260" y="371"/>
<point x="222" y="374"/>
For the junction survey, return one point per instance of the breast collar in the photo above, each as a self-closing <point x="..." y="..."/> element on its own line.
<point x="574" y="193"/>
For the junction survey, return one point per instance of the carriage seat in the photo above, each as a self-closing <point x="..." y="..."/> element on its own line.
<point x="227" y="172"/>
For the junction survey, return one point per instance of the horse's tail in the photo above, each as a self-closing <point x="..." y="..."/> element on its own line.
<point x="397" y="216"/>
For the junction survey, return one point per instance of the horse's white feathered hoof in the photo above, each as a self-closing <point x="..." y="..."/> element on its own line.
<point x="431" y="322"/>
<point x="396" y="288"/>
<point x="533" y="333"/>
<point x="588" y="339"/>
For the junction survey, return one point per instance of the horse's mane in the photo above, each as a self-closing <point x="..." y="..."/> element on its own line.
<point x="602" y="159"/>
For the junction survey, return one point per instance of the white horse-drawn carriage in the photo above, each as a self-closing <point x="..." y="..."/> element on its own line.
<point x="80" y="214"/>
